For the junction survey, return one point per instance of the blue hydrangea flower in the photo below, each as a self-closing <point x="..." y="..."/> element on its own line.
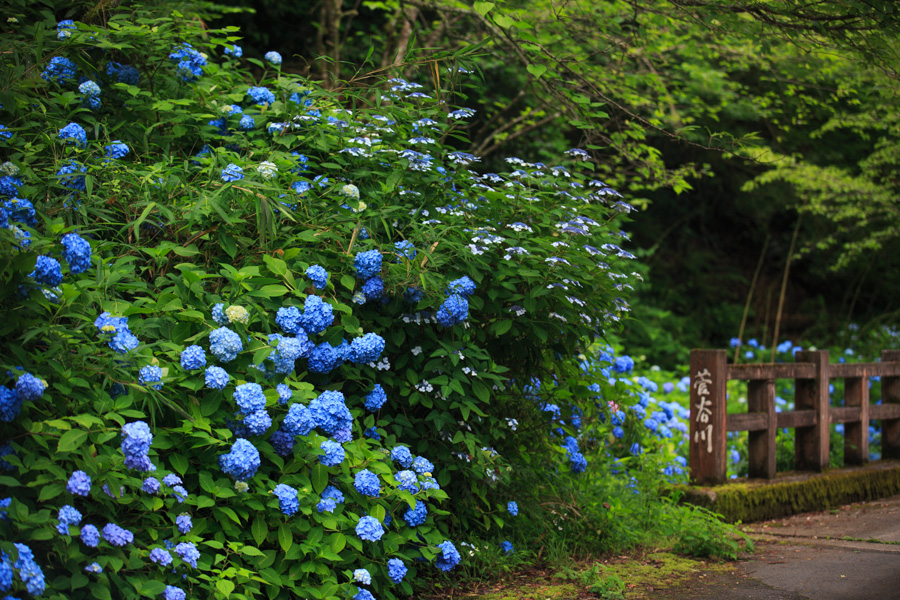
<point x="174" y="593"/>
<point x="402" y="455"/>
<point x="369" y="529"/>
<point x="282" y="442"/>
<point x="373" y="288"/>
<point x="323" y="359"/>
<point x="29" y="571"/>
<point x="331" y="415"/>
<point x="261" y="95"/>
<point x="190" y="61"/>
<point x="79" y="483"/>
<point x="64" y="29"/>
<point x="317" y="315"/>
<point x="363" y="595"/>
<point x="273" y="57"/>
<point x="150" y="485"/>
<point x="150" y="374"/>
<point x="299" y="420"/>
<point x="47" y="271"/>
<point x="247" y="123"/>
<point x="216" y="378"/>
<point x="513" y="508"/>
<point x="623" y="364"/>
<point x="396" y="570"/>
<point x="284" y="393"/>
<point x="94" y="567"/>
<point x="172" y="480"/>
<point x="29" y="387"/>
<point x="448" y="558"/>
<point x="332" y="493"/>
<point x="422" y="465"/>
<point x="91" y="92"/>
<point x="161" y="556"/>
<point x="405" y="249"/>
<point x="372" y="434"/>
<point x="76" y="252"/>
<point x="10" y="404"/>
<point x="188" y="553"/>
<point x="367" y="483"/>
<point x="234" y="50"/>
<point x="225" y="344"/>
<point x="366" y="349"/>
<point x="407" y="481"/>
<point x="258" y="422"/>
<point x="117" y="536"/>
<point x="577" y="462"/>
<point x="116" y="150"/>
<point x="193" y="357"/>
<point x="288" y="318"/>
<point x="242" y="461"/>
<point x="74" y="133"/>
<point x="249" y="397"/>
<point x="68" y="515"/>
<point x="506" y="547"/>
<point x="463" y="286"/>
<point x="288" y="500"/>
<point x="71" y="176"/>
<point x="123" y="73"/>
<point x="232" y="173"/>
<point x="90" y="536"/>
<point x="334" y="454"/>
<point x="454" y="310"/>
<point x="376" y="398"/>
<point x="60" y="70"/>
<point x="367" y="264"/>
<point x="318" y="275"/>
<point x="416" y="516"/>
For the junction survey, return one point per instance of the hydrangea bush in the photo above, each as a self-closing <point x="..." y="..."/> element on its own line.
<point x="266" y="339"/>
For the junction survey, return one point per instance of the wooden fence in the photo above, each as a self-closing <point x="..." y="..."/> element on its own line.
<point x="811" y="418"/>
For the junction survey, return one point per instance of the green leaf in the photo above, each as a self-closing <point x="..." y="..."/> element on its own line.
<point x="259" y="530"/>
<point x="225" y="587"/>
<point x="483" y="8"/>
<point x="285" y="537"/>
<point x="71" y="440"/>
<point x="251" y="551"/>
<point x="179" y="462"/>
<point x="536" y="70"/>
<point x="319" y="477"/>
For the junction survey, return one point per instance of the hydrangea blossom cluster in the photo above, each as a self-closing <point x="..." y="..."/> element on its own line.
<point x="121" y="339"/>
<point x="318" y="275"/>
<point x="136" y="440"/>
<point x="369" y="529"/>
<point x="189" y="61"/>
<point x="242" y="461"/>
<point x="116" y="535"/>
<point x="367" y="483"/>
<point x="225" y="344"/>
<point x="288" y="500"/>
<point x="331" y="415"/>
<point x="76" y="252"/>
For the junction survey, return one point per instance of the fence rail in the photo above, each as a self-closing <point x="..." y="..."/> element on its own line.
<point x="811" y="419"/>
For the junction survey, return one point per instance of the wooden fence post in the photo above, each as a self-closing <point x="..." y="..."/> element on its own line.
<point x="761" y="444"/>
<point x="709" y="373"/>
<point x="811" y="444"/>
<point x="856" y="433"/>
<point x="890" y="394"/>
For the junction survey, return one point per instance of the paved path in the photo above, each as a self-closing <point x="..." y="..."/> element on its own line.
<point x="851" y="553"/>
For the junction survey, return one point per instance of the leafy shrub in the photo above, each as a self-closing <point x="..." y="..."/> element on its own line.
<point x="274" y="288"/>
